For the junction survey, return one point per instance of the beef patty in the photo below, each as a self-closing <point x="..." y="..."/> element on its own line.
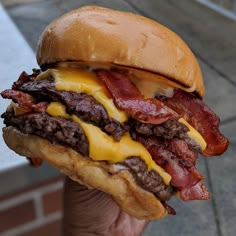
<point x="149" y="180"/>
<point x="68" y="133"/>
<point x="88" y="109"/>
<point x="55" y="129"/>
<point x="83" y="105"/>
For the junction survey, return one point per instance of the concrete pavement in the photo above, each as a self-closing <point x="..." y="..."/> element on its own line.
<point x="212" y="38"/>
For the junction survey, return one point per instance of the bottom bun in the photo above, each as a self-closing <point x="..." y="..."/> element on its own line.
<point x="99" y="175"/>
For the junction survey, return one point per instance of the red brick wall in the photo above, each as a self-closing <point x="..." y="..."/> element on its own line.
<point x="33" y="211"/>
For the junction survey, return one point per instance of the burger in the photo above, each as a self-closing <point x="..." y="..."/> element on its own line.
<point x="117" y="106"/>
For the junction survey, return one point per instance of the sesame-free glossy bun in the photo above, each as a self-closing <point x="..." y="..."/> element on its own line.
<point x="95" y="34"/>
<point x="99" y="175"/>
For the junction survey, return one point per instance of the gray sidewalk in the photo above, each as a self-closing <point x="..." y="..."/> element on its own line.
<point x="213" y="39"/>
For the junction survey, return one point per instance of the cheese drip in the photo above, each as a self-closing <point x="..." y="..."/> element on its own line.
<point x="79" y="80"/>
<point x="102" y="147"/>
<point x="194" y="134"/>
<point x="85" y="81"/>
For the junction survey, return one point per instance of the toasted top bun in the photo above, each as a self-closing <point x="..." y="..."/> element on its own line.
<point x="96" y="34"/>
<point x="100" y="175"/>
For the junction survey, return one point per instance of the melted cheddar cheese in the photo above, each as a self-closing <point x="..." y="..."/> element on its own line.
<point x="78" y="80"/>
<point x="102" y="147"/>
<point x="84" y="81"/>
<point x="194" y="134"/>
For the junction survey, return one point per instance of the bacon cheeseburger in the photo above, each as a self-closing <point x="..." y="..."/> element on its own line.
<point x="118" y="107"/>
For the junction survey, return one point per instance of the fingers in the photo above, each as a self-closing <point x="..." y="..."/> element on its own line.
<point x="127" y="225"/>
<point x="92" y="212"/>
<point x="87" y="209"/>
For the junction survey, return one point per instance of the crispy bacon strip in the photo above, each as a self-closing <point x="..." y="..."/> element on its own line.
<point x="23" y="78"/>
<point x="181" y="149"/>
<point x="198" y="191"/>
<point x="24" y="100"/>
<point x="186" y="180"/>
<point x="202" y="118"/>
<point x="127" y="97"/>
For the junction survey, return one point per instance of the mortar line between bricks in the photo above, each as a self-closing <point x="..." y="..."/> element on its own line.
<point x="23" y="197"/>
<point x="38" y="206"/>
<point x="224" y="76"/>
<point x="213" y="201"/>
<point x="33" y="225"/>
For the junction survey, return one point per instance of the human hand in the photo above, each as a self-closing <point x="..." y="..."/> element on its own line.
<point x="89" y="212"/>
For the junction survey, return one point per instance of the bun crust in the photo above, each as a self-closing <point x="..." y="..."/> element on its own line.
<point x="96" y="34"/>
<point x="119" y="184"/>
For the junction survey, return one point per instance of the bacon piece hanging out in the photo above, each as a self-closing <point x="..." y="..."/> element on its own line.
<point x="186" y="180"/>
<point x="23" y="78"/>
<point x="127" y="97"/>
<point x="201" y="117"/>
<point x="181" y="148"/>
<point x="198" y="191"/>
<point x="24" y="100"/>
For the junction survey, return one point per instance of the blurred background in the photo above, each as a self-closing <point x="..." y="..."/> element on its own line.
<point x="31" y="199"/>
